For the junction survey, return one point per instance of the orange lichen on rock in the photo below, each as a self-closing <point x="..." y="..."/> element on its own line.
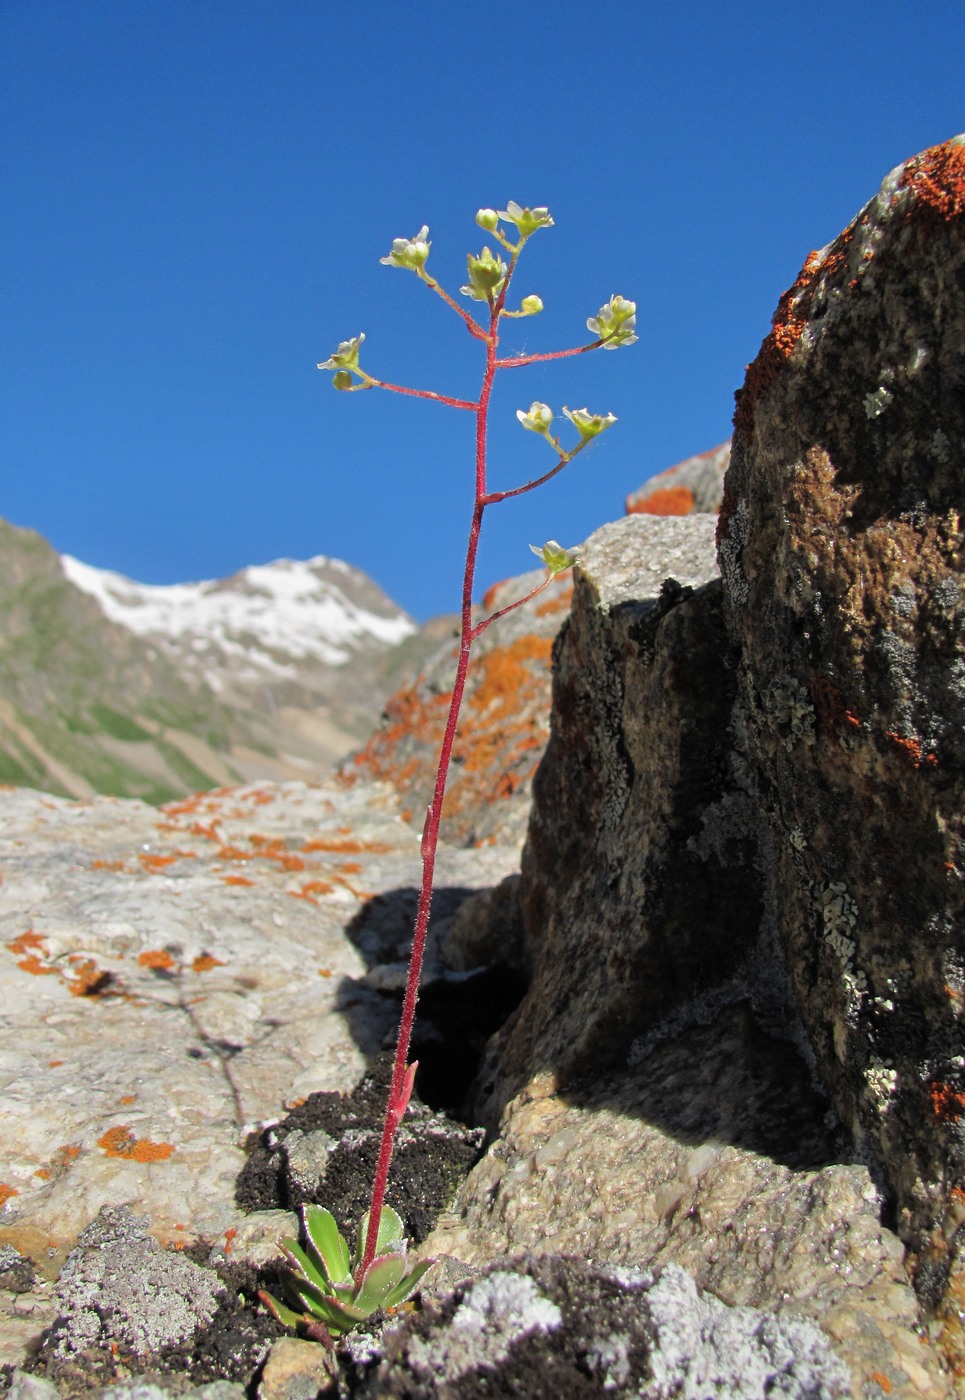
<point x="153" y="862"/>
<point x="790" y="318"/>
<point x="107" y="865"/>
<point x="121" y="1142"/>
<point x="237" y="880"/>
<point x="86" y="979"/>
<point x="310" y="890"/>
<point x="204" y="962"/>
<point x="32" y="954"/>
<point x="668" y="500"/>
<point x="947" y="1103"/>
<point x="912" y="750"/>
<point x="503" y="729"/>
<point x="6" y="1191"/>
<point x="159" y="960"/>
<point x="559" y="601"/>
<point x="491" y="594"/>
<point x="339" y="846"/>
<point x="937" y="180"/>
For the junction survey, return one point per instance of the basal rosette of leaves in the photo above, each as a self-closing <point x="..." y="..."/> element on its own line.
<point x="327" y="1290"/>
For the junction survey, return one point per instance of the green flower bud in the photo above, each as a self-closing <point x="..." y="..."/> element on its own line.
<point x="526" y="220"/>
<point x="538" y="419"/>
<point x="409" y="252"/>
<point x="342" y="380"/>
<point x="487" y="274"/>
<point x="615" y="322"/>
<point x="589" y="424"/>
<point x="346" y="356"/>
<point x="487" y="219"/>
<point x="530" y="305"/>
<point x="555" y="557"/>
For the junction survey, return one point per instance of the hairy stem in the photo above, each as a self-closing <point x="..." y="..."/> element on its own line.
<point x="398" y="1095"/>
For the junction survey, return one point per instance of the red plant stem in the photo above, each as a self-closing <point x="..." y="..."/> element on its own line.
<point x="480" y="627"/>
<point x="516" y="361"/>
<point x="423" y="394"/>
<point x="494" y="497"/>
<point x="398" y="1090"/>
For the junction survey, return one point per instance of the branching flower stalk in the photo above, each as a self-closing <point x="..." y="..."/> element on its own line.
<point x="489" y="280"/>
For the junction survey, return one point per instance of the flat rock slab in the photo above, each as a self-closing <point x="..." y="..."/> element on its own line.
<point x="173" y="978"/>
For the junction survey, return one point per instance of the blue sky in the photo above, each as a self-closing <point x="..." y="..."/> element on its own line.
<point x="197" y="192"/>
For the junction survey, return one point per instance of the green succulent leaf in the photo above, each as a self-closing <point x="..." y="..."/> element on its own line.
<point x="311" y="1299"/>
<point x="391" y="1237"/>
<point x="407" y="1286"/>
<point x="303" y="1264"/>
<point x="383" y="1275"/>
<point x="278" y="1310"/>
<point x="322" y="1231"/>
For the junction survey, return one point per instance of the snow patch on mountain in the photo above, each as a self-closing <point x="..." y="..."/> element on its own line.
<point x="302" y="610"/>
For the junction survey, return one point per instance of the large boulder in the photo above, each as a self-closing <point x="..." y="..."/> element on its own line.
<point x="841" y="545"/>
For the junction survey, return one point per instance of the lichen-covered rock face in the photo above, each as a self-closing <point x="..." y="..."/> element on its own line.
<point x="841" y="547"/>
<point x="628" y="900"/>
<point x="694" y="485"/>
<point x="503" y="727"/>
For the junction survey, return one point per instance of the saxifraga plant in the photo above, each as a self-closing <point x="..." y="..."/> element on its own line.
<point x="330" y="1292"/>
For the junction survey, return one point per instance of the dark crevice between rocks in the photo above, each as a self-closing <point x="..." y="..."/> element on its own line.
<point x="460" y="1010"/>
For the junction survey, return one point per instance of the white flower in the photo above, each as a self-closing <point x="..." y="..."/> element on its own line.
<point x="555" y="557"/>
<point x="526" y="220"/>
<point x="615" y="322"/>
<point x="409" y="252"/>
<point x="589" y="424"/>
<point x="346" y="356"/>
<point x="538" y="419"/>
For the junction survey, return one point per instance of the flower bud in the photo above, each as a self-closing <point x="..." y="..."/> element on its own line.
<point x="486" y="276"/>
<point x="342" y="380"/>
<point x="530" y="305"/>
<point x="487" y="219"/>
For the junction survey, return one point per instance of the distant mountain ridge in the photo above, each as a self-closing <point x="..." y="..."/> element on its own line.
<point x="108" y="685"/>
<point x="321" y="609"/>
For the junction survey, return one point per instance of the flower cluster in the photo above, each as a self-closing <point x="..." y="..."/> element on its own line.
<point x="409" y="252"/>
<point x="614" y="323"/>
<point x="539" y="418"/>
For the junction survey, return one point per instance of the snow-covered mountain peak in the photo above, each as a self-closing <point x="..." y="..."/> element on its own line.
<point x="318" y="609"/>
